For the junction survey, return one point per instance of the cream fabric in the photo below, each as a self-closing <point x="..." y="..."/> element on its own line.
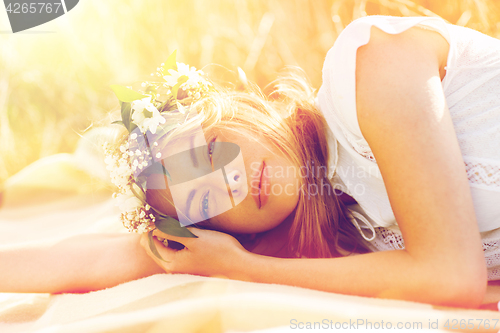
<point x="61" y="196"/>
<point x="181" y="302"/>
<point x="471" y="87"/>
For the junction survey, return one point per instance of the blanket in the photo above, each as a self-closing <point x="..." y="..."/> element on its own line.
<point x="67" y="194"/>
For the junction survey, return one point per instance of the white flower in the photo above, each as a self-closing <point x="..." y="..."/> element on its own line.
<point x="131" y="204"/>
<point x="128" y="201"/>
<point x="109" y="160"/>
<point x="138" y="107"/>
<point x="141" y="229"/>
<point x="153" y="123"/>
<point x="195" y="78"/>
<point x="120" y="172"/>
<point x="181" y="108"/>
<point x="182" y="69"/>
<point x="146" y="116"/>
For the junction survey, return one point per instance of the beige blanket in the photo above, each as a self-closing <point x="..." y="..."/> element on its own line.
<point x="59" y="196"/>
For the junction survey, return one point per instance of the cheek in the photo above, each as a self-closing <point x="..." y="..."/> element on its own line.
<point x="285" y="184"/>
<point x="285" y="192"/>
<point x="244" y="219"/>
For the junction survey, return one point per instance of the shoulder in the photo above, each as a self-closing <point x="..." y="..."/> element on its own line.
<point x="358" y="30"/>
<point x="361" y="46"/>
<point x="390" y="63"/>
<point x="371" y="31"/>
<point x="426" y="43"/>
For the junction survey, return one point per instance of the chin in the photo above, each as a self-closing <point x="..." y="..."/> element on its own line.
<point x="266" y="226"/>
<point x="280" y="213"/>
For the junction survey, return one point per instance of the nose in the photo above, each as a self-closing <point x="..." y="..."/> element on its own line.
<point x="237" y="182"/>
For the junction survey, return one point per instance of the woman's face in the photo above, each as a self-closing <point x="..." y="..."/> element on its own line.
<point x="270" y="195"/>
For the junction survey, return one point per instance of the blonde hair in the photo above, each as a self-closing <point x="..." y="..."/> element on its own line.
<point x="289" y="120"/>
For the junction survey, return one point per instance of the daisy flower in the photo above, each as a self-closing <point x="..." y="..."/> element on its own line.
<point x="146" y="116"/>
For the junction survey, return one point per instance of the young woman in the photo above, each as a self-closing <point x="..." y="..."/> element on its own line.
<point x="406" y="124"/>
<point x="409" y="101"/>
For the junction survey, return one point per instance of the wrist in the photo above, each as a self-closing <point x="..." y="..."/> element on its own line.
<point x="244" y="265"/>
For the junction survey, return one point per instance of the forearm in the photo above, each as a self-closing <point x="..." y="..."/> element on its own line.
<point x="388" y="274"/>
<point x="111" y="259"/>
<point x="29" y="269"/>
<point x="78" y="264"/>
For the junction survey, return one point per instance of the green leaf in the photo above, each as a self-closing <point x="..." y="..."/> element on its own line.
<point x="165" y="105"/>
<point x="165" y="171"/>
<point x="118" y="122"/>
<point x="171" y="63"/>
<point x="126" y="114"/>
<point x="127" y="117"/>
<point x="153" y="248"/>
<point x="171" y="226"/>
<point x="151" y="90"/>
<point x="125" y="94"/>
<point x="168" y="105"/>
<point x="180" y="81"/>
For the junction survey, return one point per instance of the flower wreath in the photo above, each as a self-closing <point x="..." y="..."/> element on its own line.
<point x="143" y="115"/>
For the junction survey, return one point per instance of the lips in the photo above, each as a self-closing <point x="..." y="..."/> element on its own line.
<point x="255" y="185"/>
<point x="260" y="193"/>
<point x="265" y="186"/>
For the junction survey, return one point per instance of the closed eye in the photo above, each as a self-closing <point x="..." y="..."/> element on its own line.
<point x="204" y="205"/>
<point x="211" y="148"/>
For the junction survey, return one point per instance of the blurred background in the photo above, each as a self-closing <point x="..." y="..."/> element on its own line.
<point x="54" y="79"/>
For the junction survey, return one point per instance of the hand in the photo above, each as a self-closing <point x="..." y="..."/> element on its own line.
<point x="213" y="253"/>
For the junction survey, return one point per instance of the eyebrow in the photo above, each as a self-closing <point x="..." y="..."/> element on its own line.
<point x="189" y="201"/>
<point x="192" y="153"/>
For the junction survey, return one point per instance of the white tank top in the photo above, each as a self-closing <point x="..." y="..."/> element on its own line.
<point x="472" y="90"/>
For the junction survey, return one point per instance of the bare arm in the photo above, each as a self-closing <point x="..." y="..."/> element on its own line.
<point x="78" y="264"/>
<point x="403" y="116"/>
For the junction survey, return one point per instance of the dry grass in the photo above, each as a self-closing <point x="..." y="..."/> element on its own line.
<point x="55" y="85"/>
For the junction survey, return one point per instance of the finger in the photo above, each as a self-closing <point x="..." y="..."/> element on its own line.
<point x="166" y="253"/>
<point x="144" y="240"/>
<point x="183" y="240"/>
<point x="166" y="240"/>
